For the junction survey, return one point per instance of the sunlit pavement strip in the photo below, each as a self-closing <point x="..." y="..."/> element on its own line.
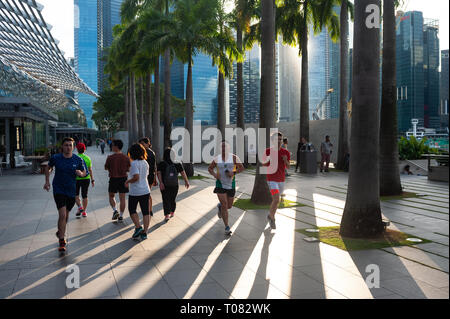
<point x="190" y="257"/>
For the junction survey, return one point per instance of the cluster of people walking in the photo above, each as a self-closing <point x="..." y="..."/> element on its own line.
<point x="138" y="171"/>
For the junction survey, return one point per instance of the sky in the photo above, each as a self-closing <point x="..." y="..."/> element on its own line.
<point x="59" y="13"/>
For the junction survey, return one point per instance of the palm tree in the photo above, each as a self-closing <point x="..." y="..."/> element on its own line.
<point x="226" y="51"/>
<point x="188" y="30"/>
<point x="389" y="172"/>
<point x="243" y="13"/>
<point x="293" y="20"/>
<point x="362" y="212"/>
<point x="261" y="194"/>
<point x="343" y="150"/>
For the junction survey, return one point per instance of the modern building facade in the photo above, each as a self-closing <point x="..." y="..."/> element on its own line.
<point x="444" y="83"/>
<point x="324" y="57"/>
<point x="431" y="69"/>
<point x="33" y="78"/>
<point x="251" y="70"/>
<point x="94" y="22"/>
<point x="417" y="71"/>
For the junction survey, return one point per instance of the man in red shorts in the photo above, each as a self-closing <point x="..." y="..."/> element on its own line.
<point x="280" y="156"/>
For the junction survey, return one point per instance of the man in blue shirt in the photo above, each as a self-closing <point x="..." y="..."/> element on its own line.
<point x="67" y="167"/>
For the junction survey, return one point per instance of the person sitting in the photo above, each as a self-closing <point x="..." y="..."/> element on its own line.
<point x="406" y="170"/>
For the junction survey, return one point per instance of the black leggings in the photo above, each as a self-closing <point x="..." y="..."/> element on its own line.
<point x="169" y="195"/>
<point x="143" y="203"/>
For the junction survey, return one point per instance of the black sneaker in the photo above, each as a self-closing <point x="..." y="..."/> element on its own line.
<point x="137" y="232"/>
<point x="115" y="215"/>
<point x="120" y="218"/>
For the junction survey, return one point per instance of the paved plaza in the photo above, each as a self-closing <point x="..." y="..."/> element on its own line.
<point x="190" y="257"/>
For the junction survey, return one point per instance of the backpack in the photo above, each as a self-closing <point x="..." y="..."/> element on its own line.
<point x="171" y="175"/>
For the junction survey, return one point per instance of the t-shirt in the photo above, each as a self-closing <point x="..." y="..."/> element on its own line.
<point x="64" y="182"/>
<point x="162" y="166"/>
<point x="326" y="147"/>
<point x="88" y="162"/>
<point x="151" y="160"/>
<point x="140" y="187"/>
<point x="279" y="176"/>
<point x="118" y="165"/>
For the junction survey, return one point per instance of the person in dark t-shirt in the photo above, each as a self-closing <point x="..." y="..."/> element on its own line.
<point x="152" y="168"/>
<point x="67" y="167"/>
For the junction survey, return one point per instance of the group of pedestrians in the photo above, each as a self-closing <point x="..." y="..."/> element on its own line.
<point x="138" y="172"/>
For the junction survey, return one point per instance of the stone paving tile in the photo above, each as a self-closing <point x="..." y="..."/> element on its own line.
<point x="413" y="289"/>
<point x="202" y="291"/>
<point x="258" y="291"/>
<point x="146" y="290"/>
<point x="421" y="256"/>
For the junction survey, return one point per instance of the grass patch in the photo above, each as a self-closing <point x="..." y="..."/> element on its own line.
<point x="403" y="196"/>
<point x="246" y="204"/>
<point x="390" y="238"/>
<point x="195" y="177"/>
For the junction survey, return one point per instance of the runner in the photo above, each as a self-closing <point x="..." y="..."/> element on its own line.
<point x="118" y="165"/>
<point x="227" y="166"/>
<point x="83" y="182"/>
<point x="67" y="167"/>
<point x="168" y="183"/>
<point x="139" y="190"/>
<point x="151" y="161"/>
<point x="276" y="180"/>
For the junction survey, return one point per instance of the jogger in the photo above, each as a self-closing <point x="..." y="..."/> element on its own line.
<point x="118" y="165"/>
<point x="84" y="182"/>
<point x="139" y="190"/>
<point x="168" y="183"/>
<point x="227" y="165"/>
<point x="67" y="167"/>
<point x="276" y="180"/>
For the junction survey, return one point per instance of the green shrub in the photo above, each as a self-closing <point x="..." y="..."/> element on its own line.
<point x="412" y="149"/>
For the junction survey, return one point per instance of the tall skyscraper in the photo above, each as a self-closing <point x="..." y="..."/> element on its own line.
<point x="444" y="89"/>
<point x="204" y="81"/>
<point x="410" y="69"/>
<point x="431" y="69"/>
<point x="289" y="70"/>
<point x="417" y="70"/>
<point x="323" y="64"/>
<point x="252" y="87"/>
<point x="94" y="21"/>
<point x="85" y="24"/>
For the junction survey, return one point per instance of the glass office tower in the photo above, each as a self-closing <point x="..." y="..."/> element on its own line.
<point x="444" y="89"/>
<point x="85" y="48"/>
<point x="431" y="69"/>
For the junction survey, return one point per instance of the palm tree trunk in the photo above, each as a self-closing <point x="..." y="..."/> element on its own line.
<point x="141" y="108"/>
<point x="362" y="212"/>
<point x="389" y="174"/>
<point x="148" y="106"/>
<point x="189" y="117"/>
<point x="221" y="117"/>
<point x="130" y="116"/>
<point x="156" y="112"/>
<point x="261" y="194"/>
<point x="304" y="90"/>
<point x="134" y="115"/>
<point x="343" y="88"/>
<point x="126" y="111"/>
<point x="167" y="97"/>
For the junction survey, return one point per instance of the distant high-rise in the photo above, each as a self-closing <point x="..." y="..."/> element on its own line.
<point x="85" y="25"/>
<point x="323" y="65"/>
<point x="444" y="89"/>
<point x="252" y="87"/>
<point x="94" y="21"/>
<point x="431" y="68"/>
<point x="417" y="70"/>
<point x="108" y="15"/>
